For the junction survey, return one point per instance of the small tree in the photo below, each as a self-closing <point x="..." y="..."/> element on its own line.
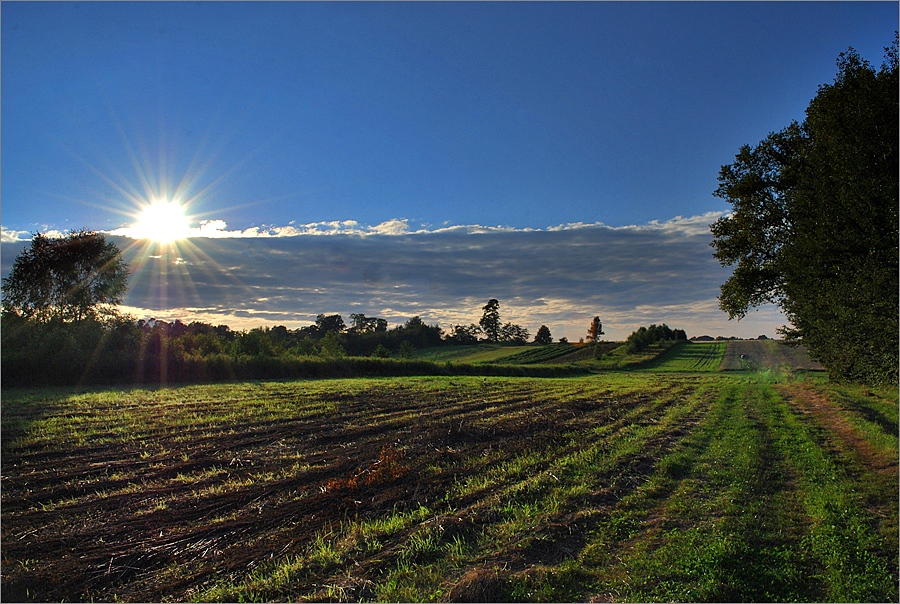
<point x="641" y="339"/>
<point x="330" y="347"/>
<point x="381" y="352"/>
<point x="75" y="277"/>
<point x="490" y="320"/>
<point x="595" y="330"/>
<point x="543" y="336"/>
<point x="406" y="349"/>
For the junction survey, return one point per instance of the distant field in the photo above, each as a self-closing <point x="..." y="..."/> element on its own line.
<point x="731" y="355"/>
<point x="668" y="483"/>
<point x="691" y="356"/>
<point x="761" y="354"/>
<point x="480" y="353"/>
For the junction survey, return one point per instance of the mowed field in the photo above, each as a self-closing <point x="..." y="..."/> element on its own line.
<point x="673" y="482"/>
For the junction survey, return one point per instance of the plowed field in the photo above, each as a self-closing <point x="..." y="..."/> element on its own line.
<point x="639" y="486"/>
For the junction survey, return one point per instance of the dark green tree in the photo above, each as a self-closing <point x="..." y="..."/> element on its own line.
<point x="330" y="346"/>
<point x="641" y="339"/>
<point x="543" y="336"/>
<point x="76" y="277"/>
<point x="814" y="224"/>
<point x="513" y="334"/>
<point x="326" y="324"/>
<point x="406" y="349"/>
<point x="381" y="352"/>
<point x="360" y="324"/>
<point x="490" y="320"/>
<point x="463" y="334"/>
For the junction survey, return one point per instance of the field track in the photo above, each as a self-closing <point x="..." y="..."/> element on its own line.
<point x="649" y="486"/>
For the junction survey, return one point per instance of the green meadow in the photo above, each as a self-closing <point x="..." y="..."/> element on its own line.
<point x="666" y="476"/>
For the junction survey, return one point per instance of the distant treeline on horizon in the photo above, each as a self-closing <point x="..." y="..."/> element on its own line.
<point x="120" y="349"/>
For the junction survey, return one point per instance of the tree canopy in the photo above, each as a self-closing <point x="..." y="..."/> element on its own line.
<point x="72" y="278"/>
<point x="814" y="225"/>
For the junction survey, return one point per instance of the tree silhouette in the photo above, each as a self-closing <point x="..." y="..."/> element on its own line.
<point x="490" y="320"/>
<point x="543" y="336"/>
<point x="72" y="278"/>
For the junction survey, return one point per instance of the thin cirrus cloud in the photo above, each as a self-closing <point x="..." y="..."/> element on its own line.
<point x="560" y="276"/>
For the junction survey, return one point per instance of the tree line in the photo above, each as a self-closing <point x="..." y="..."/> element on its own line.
<point x="117" y="349"/>
<point x="60" y="325"/>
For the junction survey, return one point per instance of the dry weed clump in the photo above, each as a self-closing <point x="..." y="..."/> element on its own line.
<point x="387" y="468"/>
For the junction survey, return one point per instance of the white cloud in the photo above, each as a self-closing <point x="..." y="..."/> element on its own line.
<point x="693" y="225"/>
<point x="12" y="236"/>
<point x="218" y="228"/>
<point x="391" y="227"/>
<point x="8" y="236"/>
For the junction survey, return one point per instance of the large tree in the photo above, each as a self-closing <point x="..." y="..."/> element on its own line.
<point x="814" y="225"/>
<point x="490" y="320"/>
<point x="79" y="276"/>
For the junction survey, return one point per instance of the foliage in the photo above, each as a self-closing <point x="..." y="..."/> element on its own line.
<point x="363" y="324"/>
<point x="463" y="334"/>
<point x="406" y="350"/>
<point x="326" y="324"/>
<point x="79" y="276"/>
<point x="121" y="350"/>
<point x="814" y="224"/>
<point x="330" y="346"/>
<point x="543" y="336"/>
<point x="490" y="320"/>
<point x="511" y="333"/>
<point x="381" y="352"/>
<point x="641" y="339"/>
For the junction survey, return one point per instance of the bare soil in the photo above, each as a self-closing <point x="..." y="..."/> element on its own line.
<point x="108" y="522"/>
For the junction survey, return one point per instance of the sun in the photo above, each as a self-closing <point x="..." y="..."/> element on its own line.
<point x="161" y="221"/>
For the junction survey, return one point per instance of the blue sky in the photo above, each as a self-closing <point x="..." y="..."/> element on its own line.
<point x="428" y="119"/>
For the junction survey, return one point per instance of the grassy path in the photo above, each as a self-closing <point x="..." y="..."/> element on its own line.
<point x="671" y="484"/>
<point x="754" y="505"/>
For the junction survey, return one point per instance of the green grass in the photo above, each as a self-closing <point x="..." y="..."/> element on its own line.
<point x="480" y="353"/>
<point x="619" y="359"/>
<point x="542" y="354"/>
<point x="668" y="481"/>
<point x="690" y="357"/>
